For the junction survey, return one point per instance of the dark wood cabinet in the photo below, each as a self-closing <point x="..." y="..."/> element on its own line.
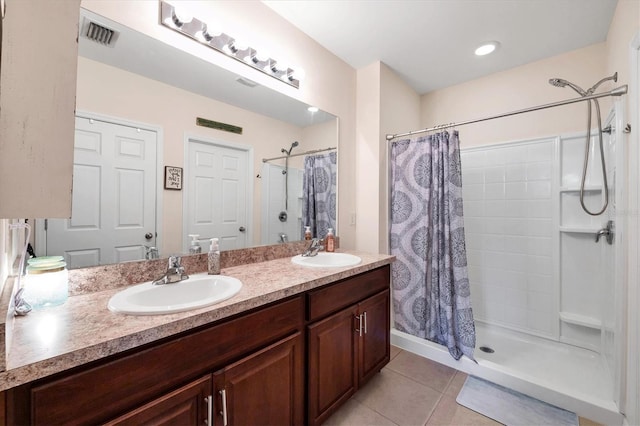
<point x="347" y="347"/>
<point x="261" y="367"/>
<point x="265" y="388"/>
<point x="122" y="384"/>
<point x="375" y="345"/>
<point x="332" y="364"/>
<point x="188" y="405"/>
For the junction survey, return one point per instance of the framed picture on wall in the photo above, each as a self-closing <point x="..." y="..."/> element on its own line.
<point x="173" y="178"/>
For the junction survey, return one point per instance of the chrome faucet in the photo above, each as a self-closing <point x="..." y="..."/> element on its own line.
<point x="313" y="248"/>
<point x="175" y="272"/>
<point x="150" y="253"/>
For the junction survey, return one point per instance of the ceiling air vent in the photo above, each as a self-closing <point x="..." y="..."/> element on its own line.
<point x="99" y="33"/>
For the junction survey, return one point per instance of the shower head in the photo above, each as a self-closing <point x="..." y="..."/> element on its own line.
<point x="293" y="145"/>
<point x="614" y="78"/>
<point x="558" y="82"/>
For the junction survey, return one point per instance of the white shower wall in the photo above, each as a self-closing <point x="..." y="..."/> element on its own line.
<point x="534" y="264"/>
<point x="510" y="225"/>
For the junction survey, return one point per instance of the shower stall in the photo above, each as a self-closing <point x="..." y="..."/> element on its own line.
<point x="546" y="276"/>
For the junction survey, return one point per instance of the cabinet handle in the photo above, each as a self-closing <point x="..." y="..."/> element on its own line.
<point x="223" y="393"/>
<point x="365" y="322"/>
<point x="359" y="319"/>
<point x="209" y="401"/>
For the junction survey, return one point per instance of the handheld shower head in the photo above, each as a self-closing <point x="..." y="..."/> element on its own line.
<point x="558" y="82"/>
<point x="293" y="145"/>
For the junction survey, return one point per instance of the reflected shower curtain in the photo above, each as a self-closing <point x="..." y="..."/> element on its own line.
<point x="431" y="297"/>
<point x="319" y="194"/>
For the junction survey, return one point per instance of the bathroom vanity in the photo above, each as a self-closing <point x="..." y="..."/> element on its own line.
<point x="289" y="348"/>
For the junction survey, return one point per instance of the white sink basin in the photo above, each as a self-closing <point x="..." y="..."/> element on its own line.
<point x="196" y="292"/>
<point x="327" y="260"/>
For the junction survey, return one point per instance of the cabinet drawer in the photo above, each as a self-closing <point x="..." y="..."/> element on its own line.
<point x="109" y="389"/>
<point x="334" y="297"/>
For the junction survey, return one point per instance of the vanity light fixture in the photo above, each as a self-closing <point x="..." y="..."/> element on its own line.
<point x="177" y="20"/>
<point x="487" y="48"/>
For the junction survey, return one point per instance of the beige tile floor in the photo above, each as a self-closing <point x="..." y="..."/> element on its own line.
<point x="413" y="391"/>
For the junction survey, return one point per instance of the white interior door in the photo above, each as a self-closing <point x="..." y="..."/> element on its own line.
<point x="114" y="202"/>
<point x="217" y="194"/>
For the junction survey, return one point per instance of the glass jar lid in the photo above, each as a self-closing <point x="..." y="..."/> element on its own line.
<point x="46" y="264"/>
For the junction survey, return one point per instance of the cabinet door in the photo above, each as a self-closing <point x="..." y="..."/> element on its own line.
<point x="265" y="388"/>
<point x="185" y="406"/>
<point x="332" y="370"/>
<point x="376" y="338"/>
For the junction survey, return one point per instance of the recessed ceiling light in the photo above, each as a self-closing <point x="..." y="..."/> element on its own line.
<point x="487" y="48"/>
<point x="313" y="109"/>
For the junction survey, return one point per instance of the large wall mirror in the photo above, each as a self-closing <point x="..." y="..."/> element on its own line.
<point x="146" y="175"/>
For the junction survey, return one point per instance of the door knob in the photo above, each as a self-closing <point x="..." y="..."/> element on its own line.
<point x="148" y="235"/>
<point x="242" y="229"/>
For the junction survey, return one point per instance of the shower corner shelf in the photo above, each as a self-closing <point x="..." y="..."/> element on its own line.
<point x="587" y="188"/>
<point x="578" y="230"/>
<point x="582" y="320"/>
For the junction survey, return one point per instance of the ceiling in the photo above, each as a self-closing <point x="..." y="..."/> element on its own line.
<point x="431" y="43"/>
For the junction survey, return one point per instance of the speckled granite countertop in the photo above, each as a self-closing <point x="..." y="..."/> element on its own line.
<point x="84" y="330"/>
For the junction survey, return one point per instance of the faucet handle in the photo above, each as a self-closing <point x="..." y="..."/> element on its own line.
<point x="174" y="261"/>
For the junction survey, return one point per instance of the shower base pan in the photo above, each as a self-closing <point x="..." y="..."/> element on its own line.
<point x="566" y="376"/>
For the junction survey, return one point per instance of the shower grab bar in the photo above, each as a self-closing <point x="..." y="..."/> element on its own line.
<point x="619" y="91"/>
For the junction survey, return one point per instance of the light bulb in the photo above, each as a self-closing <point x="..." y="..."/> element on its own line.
<point x="203" y="35"/>
<point x="182" y="16"/>
<point x="298" y="73"/>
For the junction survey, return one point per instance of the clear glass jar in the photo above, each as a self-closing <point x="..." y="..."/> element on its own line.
<point x="47" y="282"/>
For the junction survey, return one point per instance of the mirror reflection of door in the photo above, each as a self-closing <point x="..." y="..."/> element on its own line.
<point x="217" y="195"/>
<point x="114" y="196"/>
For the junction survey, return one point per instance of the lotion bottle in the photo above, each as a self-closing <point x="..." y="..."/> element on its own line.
<point x="330" y="241"/>
<point x="213" y="258"/>
<point x="194" y="248"/>
<point x="307" y="233"/>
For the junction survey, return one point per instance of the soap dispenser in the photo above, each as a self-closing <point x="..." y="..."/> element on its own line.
<point x="195" y="248"/>
<point x="214" y="258"/>
<point x="330" y="241"/>
<point x="307" y="233"/>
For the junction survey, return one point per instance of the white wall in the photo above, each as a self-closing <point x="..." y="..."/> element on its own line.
<point x="386" y="104"/>
<point x="399" y="110"/>
<point x="515" y="89"/>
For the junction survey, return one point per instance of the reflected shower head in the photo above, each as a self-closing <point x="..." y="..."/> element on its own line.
<point x="293" y="145"/>
<point x="558" y="82"/>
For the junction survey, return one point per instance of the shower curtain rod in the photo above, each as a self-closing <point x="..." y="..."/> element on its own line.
<point x="313" y="151"/>
<point x="619" y="91"/>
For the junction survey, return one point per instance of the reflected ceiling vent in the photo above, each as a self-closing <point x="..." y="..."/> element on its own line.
<point x="99" y="33"/>
<point x="246" y="82"/>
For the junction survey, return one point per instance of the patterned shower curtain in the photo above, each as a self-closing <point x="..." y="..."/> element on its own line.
<point x="319" y="194"/>
<point x="431" y="297"/>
